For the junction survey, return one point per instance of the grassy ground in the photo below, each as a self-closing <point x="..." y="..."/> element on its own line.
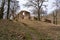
<point x="30" y="30"/>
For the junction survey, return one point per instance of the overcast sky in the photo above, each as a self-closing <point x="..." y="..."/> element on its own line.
<point x="49" y="8"/>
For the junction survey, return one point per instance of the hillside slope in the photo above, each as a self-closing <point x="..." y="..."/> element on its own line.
<point x="30" y="30"/>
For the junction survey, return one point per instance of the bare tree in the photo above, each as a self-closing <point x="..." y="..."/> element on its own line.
<point x="2" y="9"/>
<point x="39" y="7"/>
<point x="14" y="8"/>
<point x="56" y="11"/>
<point x="37" y="4"/>
<point x="5" y="7"/>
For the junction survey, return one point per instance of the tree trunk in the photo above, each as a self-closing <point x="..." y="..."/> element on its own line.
<point x="38" y="11"/>
<point x="2" y="9"/>
<point x="8" y="9"/>
<point x="38" y="15"/>
<point x="56" y="17"/>
<point x="53" y="18"/>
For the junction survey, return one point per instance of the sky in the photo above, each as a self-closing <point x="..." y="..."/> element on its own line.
<point x="50" y="7"/>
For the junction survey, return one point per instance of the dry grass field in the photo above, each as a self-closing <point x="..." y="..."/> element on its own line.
<point x="28" y="30"/>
